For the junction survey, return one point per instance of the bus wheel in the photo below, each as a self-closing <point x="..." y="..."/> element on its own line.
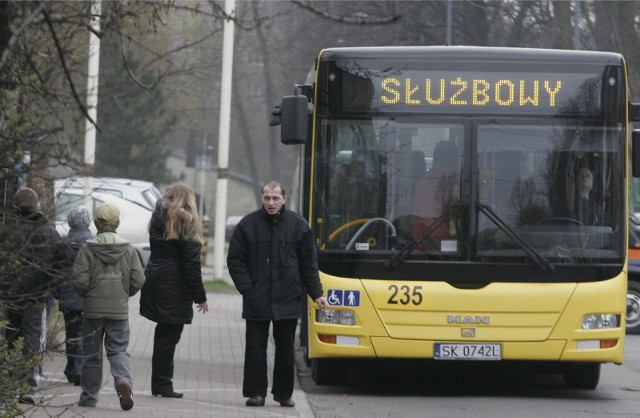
<point x="328" y="371"/>
<point x="633" y="307"/>
<point x="582" y="376"/>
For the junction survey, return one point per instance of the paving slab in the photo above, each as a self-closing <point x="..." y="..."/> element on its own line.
<point x="208" y="370"/>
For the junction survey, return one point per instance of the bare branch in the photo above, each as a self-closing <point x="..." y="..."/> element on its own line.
<point x="66" y="71"/>
<point x="158" y="56"/>
<point x="16" y="34"/>
<point x="360" y="20"/>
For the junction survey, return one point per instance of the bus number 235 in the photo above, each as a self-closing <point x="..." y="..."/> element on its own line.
<point x="405" y="294"/>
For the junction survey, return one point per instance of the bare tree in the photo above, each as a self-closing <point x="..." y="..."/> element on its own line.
<point x="43" y="59"/>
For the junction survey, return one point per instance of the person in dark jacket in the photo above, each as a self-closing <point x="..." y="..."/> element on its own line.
<point x="69" y="302"/>
<point x="173" y="280"/>
<point x="586" y="210"/>
<point x="42" y="259"/>
<point x="272" y="261"/>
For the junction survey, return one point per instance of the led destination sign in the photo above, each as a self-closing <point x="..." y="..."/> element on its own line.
<point x="544" y="93"/>
<point x="499" y="92"/>
<point x="476" y="92"/>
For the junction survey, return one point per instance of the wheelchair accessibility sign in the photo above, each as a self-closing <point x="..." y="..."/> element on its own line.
<point x="338" y="297"/>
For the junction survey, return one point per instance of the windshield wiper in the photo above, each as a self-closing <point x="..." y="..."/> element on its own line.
<point x="403" y="252"/>
<point x="533" y="254"/>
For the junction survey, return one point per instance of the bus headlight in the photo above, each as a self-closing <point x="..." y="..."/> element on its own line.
<point x="600" y="321"/>
<point x="331" y="316"/>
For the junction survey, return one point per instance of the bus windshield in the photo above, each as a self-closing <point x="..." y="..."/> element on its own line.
<point x="475" y="189"/>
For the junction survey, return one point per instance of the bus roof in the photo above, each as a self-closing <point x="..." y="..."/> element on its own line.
<point x="472" y="53"/>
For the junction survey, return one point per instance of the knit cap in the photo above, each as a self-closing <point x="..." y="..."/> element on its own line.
<point x="79" y="217"/>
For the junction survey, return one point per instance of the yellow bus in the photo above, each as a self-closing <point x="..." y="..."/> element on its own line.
<point x="469" y="204"/>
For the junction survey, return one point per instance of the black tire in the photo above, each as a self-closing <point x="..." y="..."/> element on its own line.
<point x="328" y="371"/>
<point x="633" y="307"/>
<point x="582" y="376"/>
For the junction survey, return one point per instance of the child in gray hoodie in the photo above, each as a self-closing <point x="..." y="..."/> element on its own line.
<point x="107" y="272"/>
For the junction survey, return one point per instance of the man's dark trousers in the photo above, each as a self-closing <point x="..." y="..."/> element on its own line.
<point x="255" y="358"/>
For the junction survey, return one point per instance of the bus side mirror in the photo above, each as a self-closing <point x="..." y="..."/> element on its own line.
<point x="635" y="153"/>
<point x="293" y="115"/>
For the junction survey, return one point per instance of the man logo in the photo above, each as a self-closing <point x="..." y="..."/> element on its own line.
<point x="468" y="319"/>
<point x="468" y="332"/>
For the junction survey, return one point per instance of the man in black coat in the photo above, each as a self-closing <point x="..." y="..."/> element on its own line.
<point x="272" y="260"/>
<point x="42" y="258"/>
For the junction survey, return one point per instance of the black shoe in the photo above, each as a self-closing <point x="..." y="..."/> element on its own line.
<point x="76" y="380"/>
<point x="285" y="402"/>
<point x="168" y="394"/>
<point x="255" y="401"/>
<point x="28" y="399"/>
<point x="126" y="396"/>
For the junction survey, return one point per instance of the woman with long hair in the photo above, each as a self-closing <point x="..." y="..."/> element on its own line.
<point x="173" y="280"/>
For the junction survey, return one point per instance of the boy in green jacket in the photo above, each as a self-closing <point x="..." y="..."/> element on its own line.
<point x="107" y="272"/>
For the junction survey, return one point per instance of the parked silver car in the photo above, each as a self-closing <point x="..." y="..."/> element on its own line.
<point x="134" y="218"/>
<point x="143" y="193"/>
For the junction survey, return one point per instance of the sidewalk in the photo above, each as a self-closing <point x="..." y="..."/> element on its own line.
<point x="208" y="369"/>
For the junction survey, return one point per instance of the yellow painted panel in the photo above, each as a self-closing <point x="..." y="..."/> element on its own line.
<point x="495" y="297"/>
<point x="589" y="298"/>
<point x="461" y="334"/>
<point x="532" y="321"/>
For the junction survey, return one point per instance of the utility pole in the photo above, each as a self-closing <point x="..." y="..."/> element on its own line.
<point x="223" y="139"/>
<point x="92" y="98"/>
<point x="203" y="172"/>
<point x="449" y="22"/>
<point x="576" y="24"/>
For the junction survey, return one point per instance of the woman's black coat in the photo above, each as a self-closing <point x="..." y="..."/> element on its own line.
<point x="173" y="276"/>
